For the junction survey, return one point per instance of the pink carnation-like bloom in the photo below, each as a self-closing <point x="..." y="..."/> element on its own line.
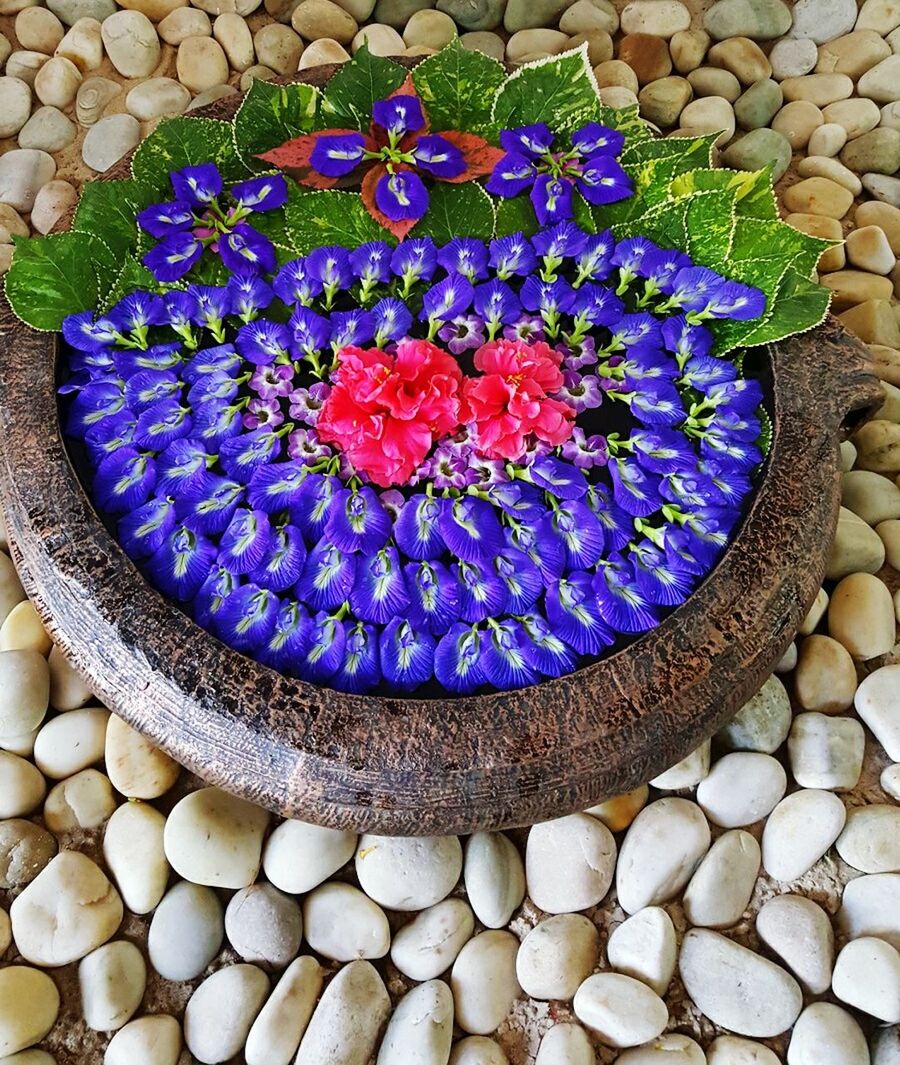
<point x="386" y="411"/>
<point x="512" y="401"/>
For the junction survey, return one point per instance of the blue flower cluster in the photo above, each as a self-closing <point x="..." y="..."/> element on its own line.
<point x="479" y="574"/>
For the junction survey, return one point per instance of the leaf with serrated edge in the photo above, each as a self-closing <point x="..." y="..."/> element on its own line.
<point x="331" y="217"/>
<point x="132" y="277"/>
<point x="757" y="241"/>
<point x="516" y="215"/>
<point x="560" y="90"/>
<point x="747" y="185"/>
<point x="457" y="87"/>
<point x="457" y="211"/>
<point x="710" y="221"/>
<point x="351" y="93"/>
<point x="270" y="114"/>
<point x="798" y="306"/>
<point x="107" y="210"/>
<point x="54" y="276"/>
<point x="181" y="142"/>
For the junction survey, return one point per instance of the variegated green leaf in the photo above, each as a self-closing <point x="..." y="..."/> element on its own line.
<point x="352" y="92"/>
<point x="133" y="276"/>
<point x="757" y="242"/>
<point x="457" y="87"/>
<point x="107" y="210"/>
<point x="560" y="90"/>
<point x="180" y="142"/>
<point x="270" y="115"/>
<point x="463" y="210"/>
<point x="330" y="217"/>
<point x="710" y="222"/>
<point x="516" y="215"/>
<point x="753" y="189"/>
<point x="796" y="306"/>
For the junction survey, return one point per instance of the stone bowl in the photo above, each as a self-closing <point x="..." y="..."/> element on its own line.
<point x="430" y="766"/>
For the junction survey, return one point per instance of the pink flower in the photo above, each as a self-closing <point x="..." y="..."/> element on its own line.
<point x="511" y="402"/>
<point x="385" y="411"/>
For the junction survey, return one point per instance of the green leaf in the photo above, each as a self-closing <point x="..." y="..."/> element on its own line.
<point x="753" y="189"/>
<point x="626" y="120"/>
<point x="710" y="223"/>
<point x="457" y="87"/>
<point x="664" y="223"/>
<point x="331" y="217"/>
<point x="560" y="90"/>
<point x="797" y="306"/>
<point x="351" y="93"/>
<point x="270" y="115"/>
<point x="180" y="142"/>
<point x="463" y="210"/>
<point x="652" y="166"/>
<point x="52" y="277"/>
<point x="515" y="215"/>
<point x="758" y="244"/>
<point x="107" y="210"/>
<point x="133" y="276"/>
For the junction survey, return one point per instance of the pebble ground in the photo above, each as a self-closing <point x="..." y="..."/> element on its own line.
<point x="742" y="910"/>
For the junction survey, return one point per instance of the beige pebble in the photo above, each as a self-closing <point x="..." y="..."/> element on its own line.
<point x="617" y="96"/>
<point x="11" y="224"/>
<point x="25" y="65"/>
<point x="112" y="980"/>
<point x="882" y="82"/>
<point x="134" y="854"/>
<point x="22" y="786"/>
<point x="799" y="831"/>
<point x="824" y="166"/>
<point x="599" y="42"/>
<point x="618" y="813"/>
<point x="24" y="691"/>
<point x="38" y="29"/>
<point x="526" y="44"/>
<point x="55" y="200"/>
<point x="557" y="956"/>
<point x="853" y="54"/>
<point x="796" y="121"/>
<point x="348" y="1019"/>
<point x="879" y="15"/>
<point x="788" y="661"/>
<point x="23" y="630"/>
<point x="56" y="83"/>
<point x="67" y="911"/>
<point x="67" y="688"/>
<point x="818" y="195"/>
<point x="826" y="752"/>
<point x="233" y="34"/>
<point x="799" y="931"/>
<point x="856" y="547"/>
<point x="431" y="28"/>
<point x="662" y="101"/>
<point x="131" y="43"/>
<point x="149" y="1040"/>
<point x="136" y="768"/>
<point x="484" y="983"/>
<point x="83" y="44"/>
<point x="871" y="496"/>
<point x="92" y="98"/>
<point x="878" y="446"/>
<point x="662" y="18"/>
<point x="184" y="22"/>
<point x="861" y="616"/>
<point x="856" y="116"/>
<point x="852" y="287"/>
<point x="427" y="946"/>
<point x="817" y="225"/>
<point x="220" y="1013"/>
<point x="621" y="1011"/>
<point x="380" y="40"/>
<point x="279" y="47"/>
<point x="71" y="742"/>
<point x="869" y="249"/>
<point x="708" y="115"/>
<point x="715" y="81"/>
<point x="314" y="19"/>
<point x="81" y="802"/>
<point x="867" y="976"/>
<point x="818" y="89"/>
<point x="110" y="140"/>
<point x="280" y="1024"/>
<point x="873" y="321"/>
<point x="688" y="49"/>
<point x="29" y="1006"/>
<point x="889" y="531"/>
<point x="732" y="1050"/>
<point x="827" y="140"/>
<point x="883" y="215"/>
<point x="645" y="947"/>
<point x="25" y="849"/>
<point x="615" y="72"/>
<point x="743" y="57"/>
<point x="825" y="679"/>
<point x="848" y="455"/>
<point x="201" y="63"/>
<point x="325" y="50"/>
<point x="157" y="97"/>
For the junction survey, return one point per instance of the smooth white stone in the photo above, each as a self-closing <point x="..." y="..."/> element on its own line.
<point x="29" y="1006"/>
<point x="870" y="906"/>
<point x="742" y="788"/>
<point x="732" y="1050"/>
<point x="186" y="932"/>
<point x="762" y="723"/>
<point x="877" y="701"/>
<point x="621" y="1011"/>
<point x="430" y="943"/>
<point x="720" y="889"/>
<point x="22" y="787"/>
<point x="826" y="752"/>
<point x="478" y="1050"/>
<point x="799" y="932"/>
<point x="280" y="1024"/>
<point x="645" y="946"/>
<point x="152" y="1040"/>
<point x="220" y="1013"/>
<point x="827" y="1035"/>
<point x="348" y="1019"/>
<point x="112" y="980"/>
<point x="666" y="1050"/>
<point x="565" y="1044"/>
<point x="867" y="976"/>
<point x="736" y="988"/>
<point x="135" y="767"/>
<point x="483" y="981"/>
<point x="569" y="863"/>
<point x="264" y="926"/>
<point x="687" y="773"/>
<point x="661" y="850"/>
<point x="870" y="841"/>
<point x="420" y="1030"/>
<point x="134" y="853"/>
<point x="557" y="956"/>
<point x="799" y="831"/>
<point x="342" y="923"/>
<point x="408" y="873"/>
<point x="71" y="742"/>
<point x="299" y="857"/>
<point x="494" y="877"/>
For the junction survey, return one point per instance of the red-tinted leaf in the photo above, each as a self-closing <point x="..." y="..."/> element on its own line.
<point x="481" y="157"/>
<point x="294" y="156"/>
<point x="399" y="229"/>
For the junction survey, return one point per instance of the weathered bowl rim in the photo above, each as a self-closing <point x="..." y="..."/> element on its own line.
<point x="414" y="766"/>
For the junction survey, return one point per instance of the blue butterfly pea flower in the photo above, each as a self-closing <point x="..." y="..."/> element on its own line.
<point x="573" y="613"/>
<point x="246" y="542"/>
<point x="182" y="563"/>
<point x="433" y="596"/>
<point x="327" y="578"/>
<point x="504" y="663"/>
<point x="143" y="530"/>
<point x="379" y="591"/>
<point x="266" y="193"/>
<point x="622" y="603"/>
<point x="359" y="670"/>
<point x="357" y="521"/>
<point x="247" y="618"/>
<point x="457" y="659"/>
<point x="406" y="655"/>
<point x="325" y="652"/>
<point x="283" y="563"/>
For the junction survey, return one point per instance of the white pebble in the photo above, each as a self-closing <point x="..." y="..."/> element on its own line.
<point x="71" y="742"/>
<point x="877" y="702"/>
<point x="569" y="863"/>
<point x="29" y="1005"/>
<point x="186" y="932"/>
<point x="720" y="889"/>
<point x="264" y="926"/>
<point x="826" y="752"/>
<point x="219" y="1014"/>
<point x="299" y="857"/>
<point x="736" y="988"/>
<point x="280" y="1024"/>
<point x="867" y="976"/>
<point x="348" y="1019"/>
<point x="24" y="676"/>
<point x="22" y="787"/>
<point x="494" y="878"/>
<point x="732" y="1050"/>
<point x="68" y="690"/>
<point x="827" y="1035"/>
<point x="687" y="773"/>
<point x="109" y="140"/>
<point x="408" y="873"/>
<point x="742" y="788"/>
<point x="666" y="1050"/>
<point x="151" y="1040"/>
<point x="799" y="831"/>
<point x="870" y="906"/>
<point x="870" y="841"/>
<point x="131" y="43"/>
<point x="565" y="1044"/>
<point x="557" y="956"/>
<point x="112" y="980"/>
<point x="420" y="1030"/>
<point x="430" y="943"/>
<point x="135" y="767"/>
<point x="621" y="1011"/>
<point x="644" y="946"/>
<point x="344" y="924"/>
<point x="82" y="801"/>
<point x="483" y="981"/>
<point x="134" y="853"/>
<point x="661" y="850"/>
<point x="799" y="932"/>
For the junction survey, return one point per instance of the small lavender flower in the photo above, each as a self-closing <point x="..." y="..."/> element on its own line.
<point x="303" y="445"/>
<point x="585" y="452"/>
<point x="305" y="403"/>
<point x="261" y="412"/>
<point x="463" y="333"/>
<point x="581" y="392"/>
<point x="272" y="382"/>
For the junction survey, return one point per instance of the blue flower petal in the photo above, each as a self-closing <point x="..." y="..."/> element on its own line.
<point x="247" y="618"/>
<point x="470" y="528"/>
<point x="379" y="591"/>
<point x="246" y="542"/>
<point x="359" y="670"/>
<point x="327" y="578"/>
<point x="574" y="615"/>
<point x="406" y="655"/>
<point x="433" y="596"/>
<point x="357" y="521"/>
<point x="326" y="649"/>
<point x="457" y="659"/>
<point x="284" y="561"/>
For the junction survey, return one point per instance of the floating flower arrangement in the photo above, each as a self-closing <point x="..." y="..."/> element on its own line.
<point x="464" y="429"/>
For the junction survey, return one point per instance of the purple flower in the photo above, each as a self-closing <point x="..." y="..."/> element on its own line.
<point x="464" y="333"/>
<point x="622" y="603"/>
<point x="399" y="114"/>
<point x="558" y="477"/>
<point x="291" y="636"/>
<point x="86" y="334"/>
<point x="634" y="490"/>
<point x="182" y="563"/>
<point x="261" y="194"/>
<point x="687" y="340"/>
<point x="660" y="267"/>
<point x="276" y="486"/>
<point x="245" y="543"/>
<point x="173" y="257"/>
<point x="247" y="618"/>
<point x="544" y="650"/>
<point x="280" y="569"/>
<point x="272" y="382"/>
<point x="197" y="185"/>
<point x="470" y="528"/>
<point x="580" y="531"/>
<point x="594" y="139"/>
<point x="581" y="392"/>
<point x="137" y="312"/>
<point x="401" y="196"/>
<point x="580" y="353"/>
<point x="357" y="521"/>
<point x="528" y="327"/>
<point x="629" y="255"/>
<point x="327" y="577"/>
<point x="504" y="662"/>
<point x="658" y="403"/>
<point x="244" y="248"/>
<point x="433" y="596"/>
<point x="448" y="467"/>
<point x="142" y="531"/>
<point x="304" y="446"/>
<point x="124" y="480"/>
<point x="436" y="155"/>
<point x="482" y="593"/>
<point x="326" y="649"/>
<point x="391" y="319"/>
<point x="551" y="198"/>
<point x="163" y="219"/>
<point x="585" y="452"/>
<point x="532" y="141"/>
<point x="660" y="579"/>
<point x="521" y="579"/>
<point x="305" y="403"/>
<point x="597" y="305"/>
<point x="263" y="412"/>
<point x="466" y="256"/>
<point x="337" y="154"/>
<point x="512" y="175"/>
<point x="416" y="528"/>
<point x="359" y="669"/>
<point x="379" y="591"/>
